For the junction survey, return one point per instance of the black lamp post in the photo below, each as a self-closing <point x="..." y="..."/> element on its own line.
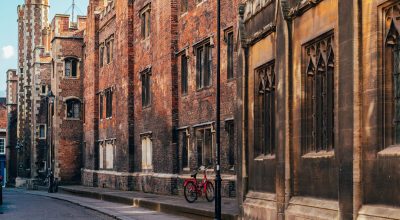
<point x="51" y="99"/>
<point x="218" y="118"/>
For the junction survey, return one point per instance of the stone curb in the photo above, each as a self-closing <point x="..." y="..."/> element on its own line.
<point x="150" y="204"/>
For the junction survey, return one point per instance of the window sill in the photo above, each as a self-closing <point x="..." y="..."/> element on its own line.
<point x="42" y="138"/>
<point x="186" y="169"/>
<point x="391" y="151"/>
<point x="319" y="154"/>
<point x="265" y="157"/>
<point x="183" y="14"/>
<point x="73" y="119"/>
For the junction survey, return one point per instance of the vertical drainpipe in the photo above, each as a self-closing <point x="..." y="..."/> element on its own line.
<point x="288" y="146"/>
<point x="245" y="114"/>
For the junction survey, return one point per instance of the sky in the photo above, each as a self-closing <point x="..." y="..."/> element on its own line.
<point x="9" y="34"/>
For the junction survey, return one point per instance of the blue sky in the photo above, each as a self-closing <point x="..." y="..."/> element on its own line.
<point x="9" y="34"/>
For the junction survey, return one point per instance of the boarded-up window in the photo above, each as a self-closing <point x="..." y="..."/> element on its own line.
<point x="318" y="85"/>
<point x="109" y="156"/>
<point x="147" y="153"/>
<point x="101" y="156"/>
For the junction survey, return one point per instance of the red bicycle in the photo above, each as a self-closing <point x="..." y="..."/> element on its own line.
<point x="193" y="188"/>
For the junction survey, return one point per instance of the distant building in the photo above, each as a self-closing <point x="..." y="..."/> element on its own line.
<point x="3" y="134"/>
<point x="12" y="112"/>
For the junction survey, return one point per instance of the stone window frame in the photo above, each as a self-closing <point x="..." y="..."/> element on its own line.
<point x="77" y="72"/>
<point x="264" y="129"/>
<point x="206" y="46"/>
<point x="319" y="116"/>
<point x="2" y="146"/>
<point x="72" y="99"/>
<point x="145" y="21"/>
<point x="39" y="126"/>
<point x="230" y="47"/>
<point x="211" y="151"/>
<point x="147" y="151"/>
<point x="145" y="78"/>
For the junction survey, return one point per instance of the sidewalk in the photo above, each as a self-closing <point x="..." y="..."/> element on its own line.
<point x="177" y="205"/>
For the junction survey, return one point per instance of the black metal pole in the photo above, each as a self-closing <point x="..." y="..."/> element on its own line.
<point x="218" y="112"/>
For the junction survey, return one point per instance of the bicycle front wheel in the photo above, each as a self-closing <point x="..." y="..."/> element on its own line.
<point x="210" y="192"/>
<point x="190" y="192"/>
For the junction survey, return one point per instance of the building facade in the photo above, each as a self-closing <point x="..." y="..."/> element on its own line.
<point x="12" y="114"/>
<point x="32" y="19"/>
<point x="150" y="125"/>
<point x="3" y="134"/>
<point x="65" y="110"/>
<point x="319" y="115"/>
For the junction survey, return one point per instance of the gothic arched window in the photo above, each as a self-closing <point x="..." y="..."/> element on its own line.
<point x="392" y="77"/>
<point x="318" y="84"/>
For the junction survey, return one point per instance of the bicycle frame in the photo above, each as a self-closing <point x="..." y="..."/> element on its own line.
<point x="200" y="187"/>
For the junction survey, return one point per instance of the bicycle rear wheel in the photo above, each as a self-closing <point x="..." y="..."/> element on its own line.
<point x="210" y="192"/>
<point x="190" y="192"/>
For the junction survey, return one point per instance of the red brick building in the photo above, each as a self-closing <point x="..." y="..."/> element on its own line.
<point x="66" y="108"/>
<point x="139" y="118"/>
<point x="3" y="135"/>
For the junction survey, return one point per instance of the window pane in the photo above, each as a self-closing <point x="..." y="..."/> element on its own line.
<point x="68" y="66"/>
<point x="2" y="146"/>
<point x="230" y="55"/>
<point x="184" y="76"/>
<point x="74" y="68"/>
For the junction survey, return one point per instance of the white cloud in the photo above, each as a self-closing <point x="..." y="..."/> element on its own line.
<point x="8" y="52"/>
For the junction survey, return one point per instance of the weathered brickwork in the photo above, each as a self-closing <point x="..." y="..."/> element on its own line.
<point x="114" y="145"/>
<point x="41" y="84"/>
<point x="67" y="86"/>
<point x="32" y="18"/>
<point x="12" y="114"/>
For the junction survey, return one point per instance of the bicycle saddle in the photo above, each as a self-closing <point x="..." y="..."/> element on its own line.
<point x="194" y="175"/>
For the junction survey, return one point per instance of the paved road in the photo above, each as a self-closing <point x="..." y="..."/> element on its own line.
<point x="19" y="205"/>
<point x="35" y="205"/>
